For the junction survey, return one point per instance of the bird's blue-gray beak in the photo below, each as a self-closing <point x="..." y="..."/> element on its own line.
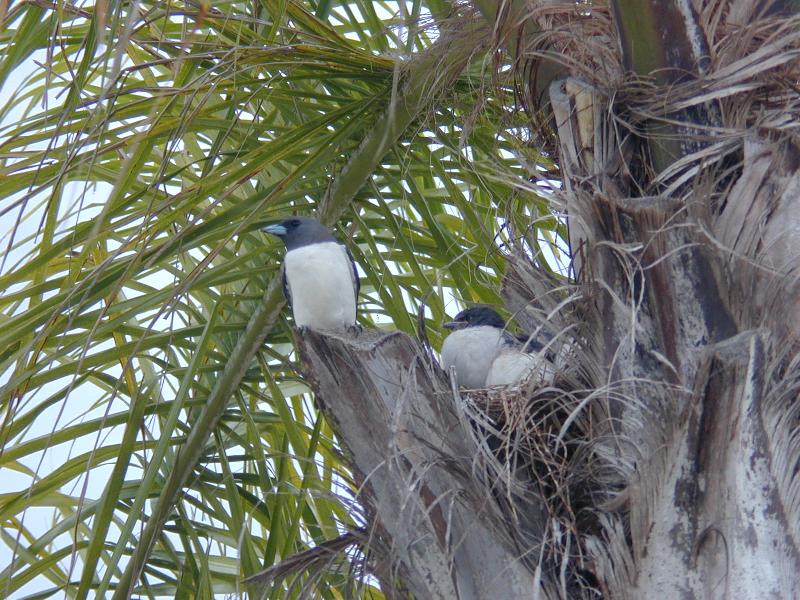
<point x="454" y="325"/>
<point x="276" y="229"/>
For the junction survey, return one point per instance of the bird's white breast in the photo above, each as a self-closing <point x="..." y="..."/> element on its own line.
<point x="321" y="283"/>
<point x="471" y="351"/>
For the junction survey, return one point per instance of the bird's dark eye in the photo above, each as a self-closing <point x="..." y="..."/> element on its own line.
<point x="294" y="223"/>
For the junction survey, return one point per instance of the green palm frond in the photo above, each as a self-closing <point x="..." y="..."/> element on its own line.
<point x="143" y="147"/>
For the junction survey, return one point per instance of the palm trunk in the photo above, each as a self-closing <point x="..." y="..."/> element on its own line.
<point x="416" y="461"/>
<point x="684" y="322"/>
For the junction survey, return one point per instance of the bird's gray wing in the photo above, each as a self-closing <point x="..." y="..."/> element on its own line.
<point x="532" y="345"/>
<point x="529" y="344"/>
<point x="287" y="292"/>
<point x="356" y="280"/>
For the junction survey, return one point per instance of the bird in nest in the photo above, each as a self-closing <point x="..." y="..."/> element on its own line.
<point x="484" y="354"/>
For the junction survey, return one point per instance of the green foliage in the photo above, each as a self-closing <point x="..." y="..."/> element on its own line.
<point x="143" y="147"/>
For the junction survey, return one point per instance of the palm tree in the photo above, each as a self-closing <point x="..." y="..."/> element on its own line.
<point x="158" y="420"/>
<point x="150" y="381"/>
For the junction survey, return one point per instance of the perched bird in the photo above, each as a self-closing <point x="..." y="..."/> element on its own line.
<point x="319" y="275"/>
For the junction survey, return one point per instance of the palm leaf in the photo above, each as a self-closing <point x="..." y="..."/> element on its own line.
<point x="152" y="409"/>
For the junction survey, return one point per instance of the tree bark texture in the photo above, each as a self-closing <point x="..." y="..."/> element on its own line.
<point x="412" y="450"/>
<point x="695" y="318"/>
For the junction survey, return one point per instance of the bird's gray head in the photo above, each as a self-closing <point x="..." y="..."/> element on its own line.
<point x="475" y="317"/>
<point x="300" y="231"/>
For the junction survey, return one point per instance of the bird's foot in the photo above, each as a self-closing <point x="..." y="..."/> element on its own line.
<point x="302" y="330"/>
<point x="354" y="329"/>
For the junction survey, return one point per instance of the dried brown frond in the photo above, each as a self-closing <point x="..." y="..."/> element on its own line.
<point x="750" y="84"/>
<point x="578" y="36"/>
<point x="558" y="40"/>
<point x="320" y="556"/>
<point x="781" y="410"/>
